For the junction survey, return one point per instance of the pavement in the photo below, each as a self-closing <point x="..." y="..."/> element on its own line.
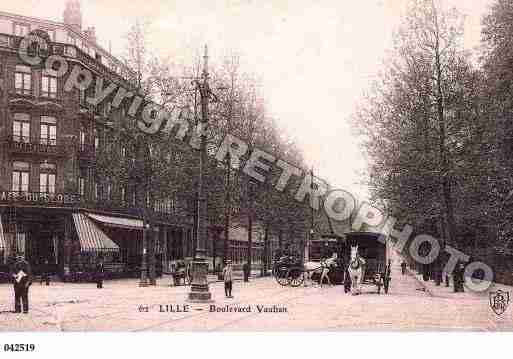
<point x="259" y="305"/>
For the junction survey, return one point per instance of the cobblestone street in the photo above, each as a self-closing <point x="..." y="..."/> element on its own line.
<point x="410" y="305"/>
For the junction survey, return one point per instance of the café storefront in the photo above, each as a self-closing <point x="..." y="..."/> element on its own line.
<point x="56" y="232"/>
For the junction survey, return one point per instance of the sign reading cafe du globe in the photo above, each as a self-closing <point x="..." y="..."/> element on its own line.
<point x="38" y="197"/>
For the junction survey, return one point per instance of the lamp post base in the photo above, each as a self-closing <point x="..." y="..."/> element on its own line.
<point x="200" y="292"/>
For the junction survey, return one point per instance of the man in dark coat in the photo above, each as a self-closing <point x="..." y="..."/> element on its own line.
<point x="99" y="274"/>
<point x="22" y="278"/>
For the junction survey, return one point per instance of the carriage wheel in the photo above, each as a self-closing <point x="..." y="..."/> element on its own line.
<point x="296" y="277"/>
<point x="280" y="274"/>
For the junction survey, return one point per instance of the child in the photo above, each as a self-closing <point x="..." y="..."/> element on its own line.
<point x="227" y="275"/>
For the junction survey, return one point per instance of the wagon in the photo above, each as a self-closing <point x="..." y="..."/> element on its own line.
<point x="373" y="249"/>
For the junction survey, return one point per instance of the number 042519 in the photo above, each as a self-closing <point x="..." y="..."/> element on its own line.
<point x="19" y="347"/>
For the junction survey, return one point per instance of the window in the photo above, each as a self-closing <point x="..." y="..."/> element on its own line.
<point x="72" y="40"/>
<point x="20" y="176"/>
<point x="21" y="29"/>
<point x="47" y="178"/>
<point x="21" y="128"/>
<point x="49" y="84"/>
<point x="82" y="97"/>
<point x="96" y="141"/>
<point x="123" y="195"/>
<point x="81" y="186"/>
<point x="70" y="51"/>
<point x="108" y="191"/>
<point x="96" y="190"/>
<point x="48" y="131"/>
<point x="23" y="80"/>
<point x="82" y="137"/>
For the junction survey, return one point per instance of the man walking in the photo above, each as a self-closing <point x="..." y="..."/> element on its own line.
<point x="228" y="279"/>
<point x="403" y="267"/>
<point x="22" y="274"/>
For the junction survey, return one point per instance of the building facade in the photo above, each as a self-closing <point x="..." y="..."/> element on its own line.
<point x="54" y="207"/>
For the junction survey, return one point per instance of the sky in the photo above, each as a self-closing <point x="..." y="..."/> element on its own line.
<point x="315" y="58"/>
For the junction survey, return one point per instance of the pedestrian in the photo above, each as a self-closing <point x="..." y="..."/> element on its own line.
<point x="228" y="279"/>
<point x="462" y="277"/>
<point x="45" y="275"/>
<point x="99" y="274"/>
<point x="458" y="278"/>
<point x="246" y="270"/>
<point x="22" y="275"/>
<point x="403" y="267"/>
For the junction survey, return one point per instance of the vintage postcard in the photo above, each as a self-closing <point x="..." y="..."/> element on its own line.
<point x="236" y="166"/>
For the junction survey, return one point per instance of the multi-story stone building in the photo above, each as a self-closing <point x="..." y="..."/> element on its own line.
<point x="53" y="205"/>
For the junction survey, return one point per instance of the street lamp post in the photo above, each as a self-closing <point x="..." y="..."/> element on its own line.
<point x="199" y="286"/>
<point x="143" y="282"/>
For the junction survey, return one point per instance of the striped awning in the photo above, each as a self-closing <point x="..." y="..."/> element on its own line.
<point x="117" y="221"/>
<point x="2" y="237"/>
<point x="91" y="238"/>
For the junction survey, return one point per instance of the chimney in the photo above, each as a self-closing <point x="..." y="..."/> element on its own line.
<point x="72" y="15"/>
<point x="90" y="33"/>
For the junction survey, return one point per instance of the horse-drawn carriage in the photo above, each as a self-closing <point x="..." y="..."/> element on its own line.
<point x="368" y="263"/>
<point x="290" y="269"/>
<point x="356" y="258"/>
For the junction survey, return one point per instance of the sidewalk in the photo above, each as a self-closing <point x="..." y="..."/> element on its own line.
<point x="442" y="291"/>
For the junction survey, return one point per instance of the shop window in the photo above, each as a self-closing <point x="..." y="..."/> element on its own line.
<point x="21" y="128"/>
<point x="47" y="175"/>
<point x="49" y="84"/>
<point x="23" y="80"/>
<point x="48" y="133"/>
<point x="20" y="176"/>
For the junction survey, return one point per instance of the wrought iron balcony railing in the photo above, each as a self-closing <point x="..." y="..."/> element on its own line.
<point x="24" y="145"/>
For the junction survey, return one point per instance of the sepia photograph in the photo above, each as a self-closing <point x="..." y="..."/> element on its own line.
<point x="243" y="166"/>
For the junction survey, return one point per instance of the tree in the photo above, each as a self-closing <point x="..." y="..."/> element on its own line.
<point x="421" y="125"/>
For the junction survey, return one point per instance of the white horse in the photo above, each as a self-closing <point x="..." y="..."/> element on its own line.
<point x="356" y="271"/>
<point x="322" y="268"/>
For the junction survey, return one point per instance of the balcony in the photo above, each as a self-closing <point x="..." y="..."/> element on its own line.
<point x="24" y="145"/>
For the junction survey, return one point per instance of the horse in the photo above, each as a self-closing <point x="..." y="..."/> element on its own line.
<point x="322" y="267"/>
<point x="356" y="270"/>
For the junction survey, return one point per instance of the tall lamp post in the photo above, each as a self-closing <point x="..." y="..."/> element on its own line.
<point x="199" y="287"/>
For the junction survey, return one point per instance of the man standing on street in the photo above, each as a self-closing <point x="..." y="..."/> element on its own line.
<point x="228" y="279"/>
<point x="403" y="267"/>
<point x="99" y="274"/>
<point x="22" y="274"/>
